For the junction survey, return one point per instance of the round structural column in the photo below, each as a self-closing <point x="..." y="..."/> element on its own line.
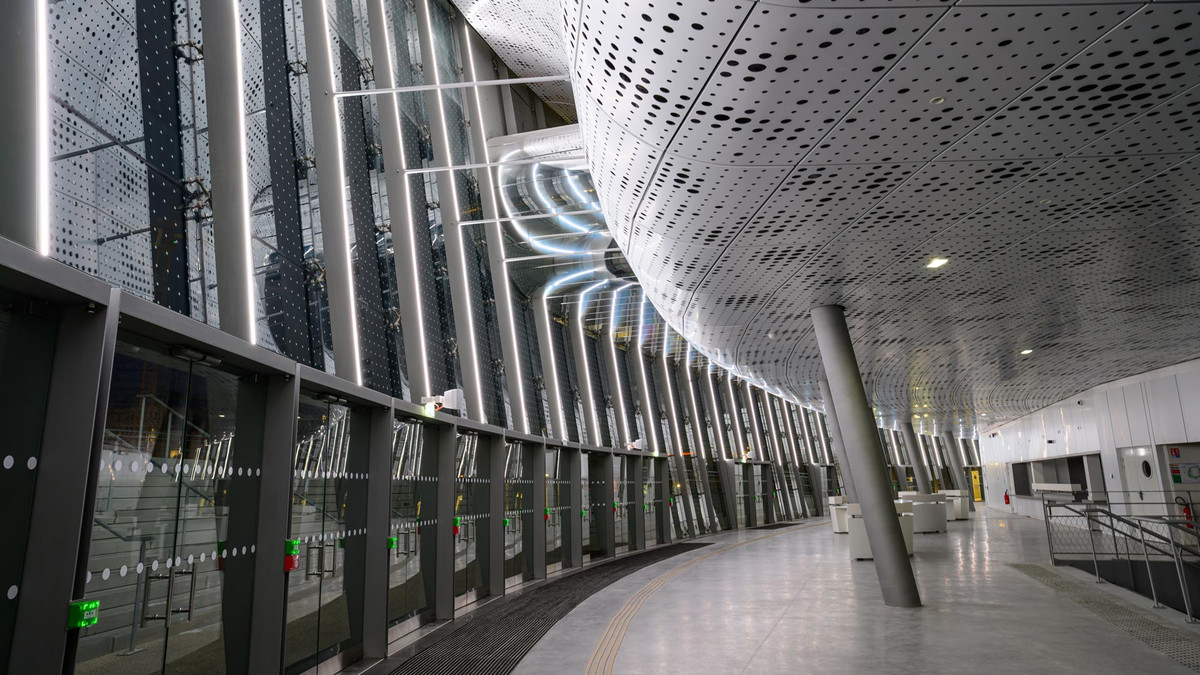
<point x="838" y="442"/>
<point x="865" y="454"/>
<point x="920" y="470"/>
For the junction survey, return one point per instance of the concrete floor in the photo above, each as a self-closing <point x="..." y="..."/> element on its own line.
<point x="795" y="603"/>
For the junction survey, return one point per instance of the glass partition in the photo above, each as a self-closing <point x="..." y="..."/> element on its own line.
<point x="409" y="510"/>
<point x="172" y="478"/>
<point x="470" y="518"/>
<point x="651" y="500"/>
<point x="622" y="501"/>
<point x="518" y="497"/>
<point x="325" y="498"/>
<point x="558" y="504"/>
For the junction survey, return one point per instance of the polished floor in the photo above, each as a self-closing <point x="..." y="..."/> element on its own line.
<point x="790" y="601"/>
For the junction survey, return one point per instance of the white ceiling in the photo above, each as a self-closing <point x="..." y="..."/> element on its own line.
<point x="758" y="159"/>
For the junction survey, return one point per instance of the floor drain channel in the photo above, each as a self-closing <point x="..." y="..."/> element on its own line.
<point x="1180" y="647"/>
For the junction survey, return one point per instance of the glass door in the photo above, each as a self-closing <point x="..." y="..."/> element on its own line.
<point x="558" y="482"/>
<point x="170" y="482"/>
<point x="622" y="501"/>
<point x="408" y="509"/>
<point x="650" y="498"/>
<point x="470" y="514"/>
<point x="323" y="494"/>
<point x="517" y="512"/>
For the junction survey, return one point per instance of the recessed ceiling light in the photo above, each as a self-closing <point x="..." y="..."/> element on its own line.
<point x="937" y="100"/>
<point x="936" y="263"/>
<point x="1026" y="351"/>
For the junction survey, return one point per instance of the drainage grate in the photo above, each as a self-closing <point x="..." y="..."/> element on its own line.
<point x="776" y="526"/>
<point x="1182" y="648"/>
<point x="497" y="640"/>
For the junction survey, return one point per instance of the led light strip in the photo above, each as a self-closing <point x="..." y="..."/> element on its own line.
<point x="248" y="232"/>
<point x="42" y="214"/>
<point x="697" y="420"/>
<point x="641" y="361"/>
<point x="712" y="397"/>
<point x="586" y="369"/>
<point x="550" y="287"/>
<point x="736" y="417"/>
<point x="345" y="199"/>
<point x="516" y="365"/>
<point x="670" y="392"/>
<point x="432" y="69"/>
<point x="409" y="229"/>
<point x="612" y="340"/>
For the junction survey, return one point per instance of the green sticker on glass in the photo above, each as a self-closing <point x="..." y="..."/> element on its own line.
<point x="291" y="547"/>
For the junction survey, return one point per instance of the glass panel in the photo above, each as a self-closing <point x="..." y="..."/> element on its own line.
<point x="558" y="485"/>
<point x="594" y="493"/>
<point x="518" y="530"/>
<point x="327" y="500"/>
<point x="650" y="497"/>
<point x="406" y="585"/>
<point x="470" y="514"/>
<point x="171" y="483"/>
<point x="623" y="500"/>
<point x="760" y="490"/>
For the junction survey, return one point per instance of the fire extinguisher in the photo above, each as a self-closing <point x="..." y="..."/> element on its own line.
<point x="1006" y="500"/>
<point x="1187" y="512"/>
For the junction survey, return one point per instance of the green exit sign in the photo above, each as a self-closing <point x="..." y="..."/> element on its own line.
<point x="83" y="613"/>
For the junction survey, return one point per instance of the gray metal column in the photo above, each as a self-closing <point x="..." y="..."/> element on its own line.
<point x="379" y="464"/>
<point x="573" y="523"/>
<point x="550" y="368"/>
<point x="857" y="423"/>
<point x="236" y="292"/>
<point x="403" y="225"/>
<point x="735" y="419"/>
<point x="957" y="472"/>
<point x="274" y="504"/>
<point x="587" y="388"/>
<point x="606" y="503"/>
<point x="798" y="461"/>
<point x="78" y="353"/>
<point x="494" y="452"/>
<point x="728" y="473"/>
<point x="24" y="125"/>
<point x="460" y="289"/>
<point x="637" y="517"/>
<point x="444" y="438"/>
<point x="662" y="491"/>
<point x="670" y="409"/>
<point x="838" y="442"/>
<point x="536" y="558"/>
<point x="487" y="121"/>
<point x="755" y="433"/>
<point x="917" y="457"/>
<point x="721" y="452"/>
<point x="779" y="459"/>
<point x="650" y="419"/>
<point x="614" y="368"/>
<point x="335" y="221"/>
<point x="814" y="479"/>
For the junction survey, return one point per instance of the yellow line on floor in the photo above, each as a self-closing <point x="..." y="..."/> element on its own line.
<point x="606" y="652"/>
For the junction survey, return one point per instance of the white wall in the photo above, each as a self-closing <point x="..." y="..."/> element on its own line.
<point x="1151" y="409"/>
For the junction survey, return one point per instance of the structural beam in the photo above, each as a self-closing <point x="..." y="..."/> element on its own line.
<point x="857" y="423"/>
<point x="958" y="473"/>
<point x="917" y="457"/>
<point x="839" y="444"/>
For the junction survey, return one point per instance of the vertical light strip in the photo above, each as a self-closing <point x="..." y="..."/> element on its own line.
<point x="612" y="341"/>
<point x="42" y="106"/>
<point x="752" y="409"/>
<point x="716" y="408"/>
<point x="656" y="428"/>
<point x="243" y="158"/>
<point x="409" y="225"/>
<point x="344" y="196"/>
<point x="735" y="416"/>
<point x="432" y="69"/>
<point x="547" y="290"/>
<point x="516" y="365"/>
<point x="670" y="392"/>
<point x="697" y="419"/>
<point x="825" y="440"/>
<point x="587" y="371"/>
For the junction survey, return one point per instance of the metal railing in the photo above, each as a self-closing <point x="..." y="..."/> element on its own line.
<point x="1078" y="530"/>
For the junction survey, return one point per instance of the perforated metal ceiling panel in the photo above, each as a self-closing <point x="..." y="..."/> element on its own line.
<point x="758" y="159"/>
<point x="527" y="35"/>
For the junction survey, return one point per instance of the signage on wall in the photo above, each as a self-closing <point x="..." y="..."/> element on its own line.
<point x="1185" y="473"/>
<point x="1174" y="453"/>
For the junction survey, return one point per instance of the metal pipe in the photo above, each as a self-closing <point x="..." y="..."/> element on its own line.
<point x="916" y="458"/>
<point x="1149" y="572"/>
<point x="485" y="165"/>
<point x="1175" y="553"/>
<point x="1087" y="514"/>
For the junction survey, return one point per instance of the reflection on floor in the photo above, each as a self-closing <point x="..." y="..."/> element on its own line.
<point x="793" y="602"/>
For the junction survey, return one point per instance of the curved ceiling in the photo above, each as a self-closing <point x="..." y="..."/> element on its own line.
<point x="758" y="159"/>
